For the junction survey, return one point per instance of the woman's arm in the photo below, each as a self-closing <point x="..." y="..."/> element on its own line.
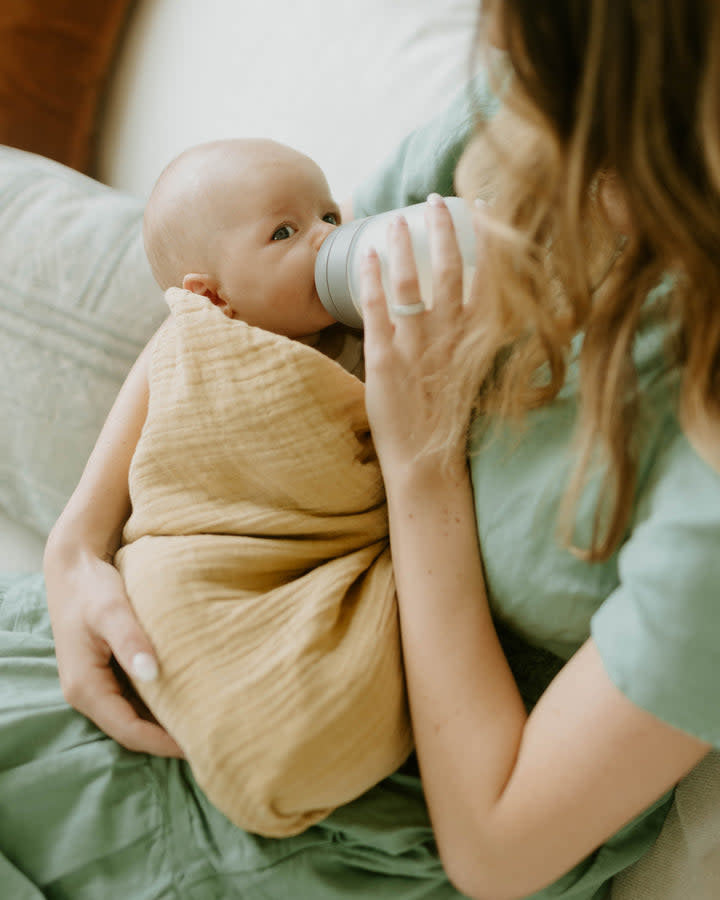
<point x="515" y="801"/>
<point x="91" y="616"/>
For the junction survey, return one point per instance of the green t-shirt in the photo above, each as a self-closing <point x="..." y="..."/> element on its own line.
<point x="425" y="161"/>
<point x="653" y="608"/>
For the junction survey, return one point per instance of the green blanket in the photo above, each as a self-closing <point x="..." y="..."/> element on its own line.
<point x="83" y="819"/>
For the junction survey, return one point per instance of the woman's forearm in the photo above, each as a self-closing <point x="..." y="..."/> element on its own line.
<point x="515" y="800"/>
<point x="468" y="716"/>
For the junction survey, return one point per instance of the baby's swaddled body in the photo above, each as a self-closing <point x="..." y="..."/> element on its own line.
<point x="257" y="560"/>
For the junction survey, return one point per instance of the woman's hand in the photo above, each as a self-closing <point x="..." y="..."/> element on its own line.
<point x="413" y="366"/>
<point x="95" y="632"/>
<point x="97" y="636"/>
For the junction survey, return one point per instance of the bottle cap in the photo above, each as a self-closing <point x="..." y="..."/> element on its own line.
<point x="332" y="277"/>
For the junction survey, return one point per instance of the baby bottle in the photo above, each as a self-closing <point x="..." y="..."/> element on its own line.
<point x="337" y="267"/>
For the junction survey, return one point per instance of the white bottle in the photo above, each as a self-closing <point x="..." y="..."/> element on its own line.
<point x="337" y="266"/>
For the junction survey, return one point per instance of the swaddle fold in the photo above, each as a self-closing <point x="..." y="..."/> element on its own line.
<point x="256" y="558"/>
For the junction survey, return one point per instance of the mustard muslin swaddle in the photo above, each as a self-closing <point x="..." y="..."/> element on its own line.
<point x="257" y="560"/>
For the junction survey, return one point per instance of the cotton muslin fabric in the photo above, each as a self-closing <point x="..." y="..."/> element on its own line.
<point x="257" y="560"/>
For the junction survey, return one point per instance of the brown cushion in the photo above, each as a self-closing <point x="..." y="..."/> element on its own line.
<point x="54" y="59"/>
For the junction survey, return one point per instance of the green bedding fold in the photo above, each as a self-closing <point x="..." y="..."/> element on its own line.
<point x="83" y="819"/>
<point x="15" y="884"/>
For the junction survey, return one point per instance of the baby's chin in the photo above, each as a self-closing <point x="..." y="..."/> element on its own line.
<point x="304" y="333"/>
<point x="308" y="337"/>
<point x="297" y="327"/>
<point x="320" y="317"/>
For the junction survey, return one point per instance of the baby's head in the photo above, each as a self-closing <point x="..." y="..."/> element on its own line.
<point x="240" y="222"/>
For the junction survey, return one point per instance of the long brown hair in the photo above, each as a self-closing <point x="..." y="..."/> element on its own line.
<point x="605" y="99"/>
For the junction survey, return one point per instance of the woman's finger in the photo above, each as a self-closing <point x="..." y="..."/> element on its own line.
<point x="376" y="318"/>
<point x="118" y="718"/>
<point x="115" y="622"/>
<point x="406" y="307"/>
<point x="445" y="256"/>
<point x="90" y="685"/>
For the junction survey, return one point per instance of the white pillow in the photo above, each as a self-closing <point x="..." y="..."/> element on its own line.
<point x="77" y="303"/>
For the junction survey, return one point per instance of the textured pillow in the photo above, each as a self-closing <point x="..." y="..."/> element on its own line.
<point x="54" y="60"/>
<point x="77" y="303"/>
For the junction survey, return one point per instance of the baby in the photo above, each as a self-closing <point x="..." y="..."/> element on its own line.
<point x="256" y="554"/>
<point x="240" y="222"/>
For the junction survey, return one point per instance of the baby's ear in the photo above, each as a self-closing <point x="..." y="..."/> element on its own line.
<point x="207" y="286"/>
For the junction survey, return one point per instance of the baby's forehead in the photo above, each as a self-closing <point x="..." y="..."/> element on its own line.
<point x="246" y="180"/>
<point x="224" y="163"/>
<point x="275" y="182"/>
<point x="273" y="169"/>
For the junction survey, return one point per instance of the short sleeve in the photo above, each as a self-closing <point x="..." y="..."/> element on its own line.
<point x="425" y="160"/>
<point x="658" y="633"/>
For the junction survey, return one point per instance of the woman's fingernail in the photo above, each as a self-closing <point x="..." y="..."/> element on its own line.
<point x="144" y="667"/>
<point x="435" y="199"/>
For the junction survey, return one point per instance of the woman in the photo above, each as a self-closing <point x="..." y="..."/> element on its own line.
<point x="585" y="370"/>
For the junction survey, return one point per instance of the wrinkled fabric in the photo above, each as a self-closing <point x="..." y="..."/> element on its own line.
<point x="82" y="819"/>
<point x="257" y="560"/>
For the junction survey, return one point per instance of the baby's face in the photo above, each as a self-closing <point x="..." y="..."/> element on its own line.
<point x="272" y="228"/>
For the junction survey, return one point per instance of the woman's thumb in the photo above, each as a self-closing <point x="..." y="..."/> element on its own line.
<point x="144" y="666"/>
<point x="129" y="643"/>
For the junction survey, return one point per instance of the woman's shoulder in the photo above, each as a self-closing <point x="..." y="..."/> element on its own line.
<point x="425" y="160"/>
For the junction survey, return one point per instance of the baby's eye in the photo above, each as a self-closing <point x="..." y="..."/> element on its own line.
<point x="283" y="233"/>
<point x="332" y="218"/>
